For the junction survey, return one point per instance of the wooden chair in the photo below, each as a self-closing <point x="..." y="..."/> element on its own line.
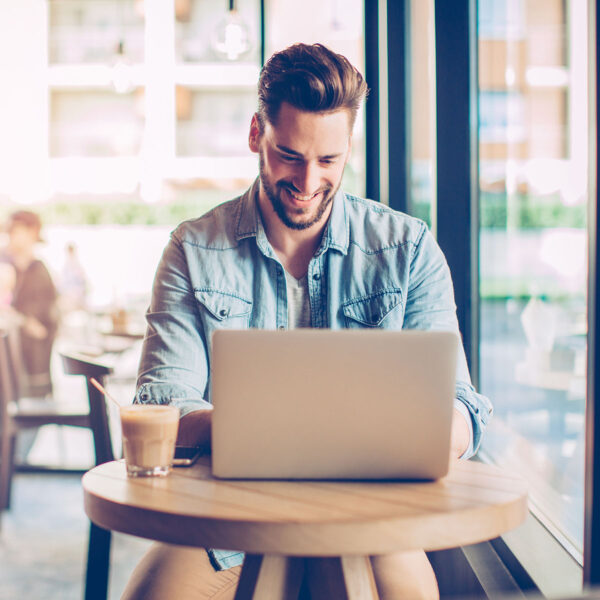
<point x="98" y="558"/>
<point x="18" y="414"/>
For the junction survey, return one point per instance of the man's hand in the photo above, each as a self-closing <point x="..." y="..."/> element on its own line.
<point x="461" y="434"/>
<point x="194" y="429"/>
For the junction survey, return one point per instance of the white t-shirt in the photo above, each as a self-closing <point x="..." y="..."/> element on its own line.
<point x="298" y="301"/>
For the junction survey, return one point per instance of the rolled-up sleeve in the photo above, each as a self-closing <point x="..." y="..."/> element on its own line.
<point x="174" y="364"/>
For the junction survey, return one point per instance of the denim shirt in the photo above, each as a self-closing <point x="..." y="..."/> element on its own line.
<point x="375" y="267"/>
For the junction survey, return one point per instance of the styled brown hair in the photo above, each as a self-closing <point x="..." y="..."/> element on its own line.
<point x="311" y="78"/>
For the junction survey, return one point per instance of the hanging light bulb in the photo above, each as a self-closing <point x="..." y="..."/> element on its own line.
<point x="231" y="39"/>
<point x="121" y="75"/>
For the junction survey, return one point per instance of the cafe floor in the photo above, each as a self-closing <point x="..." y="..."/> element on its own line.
<point x="43" y="541"/>
<point x="44" y="535"/>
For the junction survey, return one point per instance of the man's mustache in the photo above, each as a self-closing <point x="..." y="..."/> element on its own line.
<point x="292" y="188"/>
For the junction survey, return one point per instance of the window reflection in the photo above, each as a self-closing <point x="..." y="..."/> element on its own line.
<point x="532" y="176"/>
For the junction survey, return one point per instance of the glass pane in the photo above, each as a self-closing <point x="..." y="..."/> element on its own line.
<point x="532" y="177"/>
<point x="95" y="31"/>
<point x="217" y="55"/>
<point x="422" y="143"/>
<point x="75" y="129"/>
<point x="200" y="113"/>
<point x="210" y="32"/>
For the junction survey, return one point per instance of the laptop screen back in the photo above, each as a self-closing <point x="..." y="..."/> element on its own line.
<point x="323" y="404"/>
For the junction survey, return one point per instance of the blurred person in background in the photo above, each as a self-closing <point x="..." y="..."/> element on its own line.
<point x="73" y="283"/>
<point x="33" y="305"/>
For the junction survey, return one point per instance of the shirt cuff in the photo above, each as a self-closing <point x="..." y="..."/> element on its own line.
<point x="187" y="405"/>
<point x="464" y="411"/>
<point x="161" y="393"/>
<point x="225" y="559"/>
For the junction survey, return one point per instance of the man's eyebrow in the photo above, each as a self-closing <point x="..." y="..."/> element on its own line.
<point x="288" y="150"/>
<point x="294" y="153"/>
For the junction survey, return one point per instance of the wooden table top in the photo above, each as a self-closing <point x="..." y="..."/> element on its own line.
<point x="473" y="503"/>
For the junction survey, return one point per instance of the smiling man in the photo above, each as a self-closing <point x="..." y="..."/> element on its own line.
<point x="293" y="251"/>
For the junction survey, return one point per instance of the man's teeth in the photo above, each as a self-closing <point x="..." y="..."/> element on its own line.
<point x="304" y="198"/>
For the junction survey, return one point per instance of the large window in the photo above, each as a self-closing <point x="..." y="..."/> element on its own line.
<point x="137" y="112"/>
<point x="533" y="198"/>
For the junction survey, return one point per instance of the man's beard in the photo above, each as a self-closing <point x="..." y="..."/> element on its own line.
<point x="292" y="218"/>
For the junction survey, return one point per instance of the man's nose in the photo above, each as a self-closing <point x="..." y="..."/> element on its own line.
<point x="307" y="179"/>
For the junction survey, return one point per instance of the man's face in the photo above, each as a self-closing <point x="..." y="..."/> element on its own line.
<point x="302" y="159"/>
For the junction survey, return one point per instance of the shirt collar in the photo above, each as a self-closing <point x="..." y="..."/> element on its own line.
<point x="248" y="219"/>
<point x="249" y="222"/>
<point x="337" y="234"/>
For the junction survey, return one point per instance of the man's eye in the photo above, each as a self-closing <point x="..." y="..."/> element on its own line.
<point x="328" y="161"/>
<point x="289" y="159"/>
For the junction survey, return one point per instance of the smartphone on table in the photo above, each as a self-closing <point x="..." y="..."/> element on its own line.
<point x="186" y="456"/>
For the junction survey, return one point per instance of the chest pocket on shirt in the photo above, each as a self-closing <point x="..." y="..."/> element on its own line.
<point x="382" y="309"/>
<point x="224" y="310"/>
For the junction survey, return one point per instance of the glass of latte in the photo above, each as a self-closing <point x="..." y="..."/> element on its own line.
<point x="149" y="433"/>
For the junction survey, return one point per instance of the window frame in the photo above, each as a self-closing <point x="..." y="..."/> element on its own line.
<point x="591" y="541"/>
<point x="457" y="204"/>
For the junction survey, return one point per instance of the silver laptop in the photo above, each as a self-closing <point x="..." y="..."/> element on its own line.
<point x="323" y="404"/>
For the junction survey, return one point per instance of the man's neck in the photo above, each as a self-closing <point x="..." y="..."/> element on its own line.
<point x="294" y="247"/>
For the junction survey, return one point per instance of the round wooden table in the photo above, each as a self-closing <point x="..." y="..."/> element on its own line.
<point x="286" y="527"/>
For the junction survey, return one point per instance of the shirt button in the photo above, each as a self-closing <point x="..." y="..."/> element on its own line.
<point x="223" y="312"/>
<point x="281" y="327"/>
<point x="317" y="276"/>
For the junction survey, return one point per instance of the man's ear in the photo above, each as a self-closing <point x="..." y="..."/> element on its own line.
<point x="254" y="135"/>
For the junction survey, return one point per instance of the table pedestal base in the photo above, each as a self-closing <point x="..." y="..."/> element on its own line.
<point x="272" y="577"/>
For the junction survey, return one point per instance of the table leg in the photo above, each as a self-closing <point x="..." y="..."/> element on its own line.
<point x="343" y="578"/>
<point x="98" y="563"/>
<point x="270" y="577"/>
